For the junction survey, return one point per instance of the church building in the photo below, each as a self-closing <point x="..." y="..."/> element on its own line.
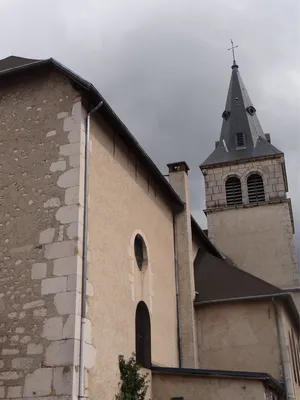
<point x="100" y="256"/>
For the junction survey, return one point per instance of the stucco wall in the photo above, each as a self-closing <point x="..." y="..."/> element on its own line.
<point x="247" y="235"/>
<point x="164" y="387"/>
<point x="239" y="337"/>
<point x="289" y="329"/>
<point x="123" y="201"/>
<point x="40" y="141"/>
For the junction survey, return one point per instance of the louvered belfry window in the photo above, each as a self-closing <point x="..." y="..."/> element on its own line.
<point x="256" y="191"/>
<point x="233" y="191"/>
<point x="240" y="139"/>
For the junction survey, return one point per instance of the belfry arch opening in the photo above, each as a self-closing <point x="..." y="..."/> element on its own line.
<point x="255" y="186"/>
<point x="233" y="191"/>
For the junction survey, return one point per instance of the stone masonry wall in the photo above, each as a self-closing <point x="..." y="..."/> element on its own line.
<point x="41" y="182"/>
<point x="270" y="170"/>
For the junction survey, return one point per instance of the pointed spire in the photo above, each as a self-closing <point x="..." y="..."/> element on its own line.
<point x="241" y="135"/>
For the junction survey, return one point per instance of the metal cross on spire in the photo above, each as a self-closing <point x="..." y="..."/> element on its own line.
<point x="232" y="49"/>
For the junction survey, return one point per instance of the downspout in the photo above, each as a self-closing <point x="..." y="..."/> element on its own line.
<point x="85" y="249"/>
<point x="289" y="390"/>
<point x="177" y="295"/>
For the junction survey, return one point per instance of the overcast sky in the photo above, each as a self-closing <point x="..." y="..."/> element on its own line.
<point x="164" y="67"/>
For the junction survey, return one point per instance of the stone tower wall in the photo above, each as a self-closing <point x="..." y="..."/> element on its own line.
<point x="257" y="237"/>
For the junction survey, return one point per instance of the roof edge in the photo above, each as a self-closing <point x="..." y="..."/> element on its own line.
<point x="240" y="161"/>
<point x="198" y="231"/>
<point x="238" y="299"/>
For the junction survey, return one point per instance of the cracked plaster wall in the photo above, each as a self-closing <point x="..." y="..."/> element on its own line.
<point x="41" y="156"/>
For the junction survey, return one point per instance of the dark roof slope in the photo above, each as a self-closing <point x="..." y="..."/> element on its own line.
<point x="203" y="239"/>
<point x="216" y="279"/>
<point x="240" y="117"/>
<point x="221" y="374"/>
<point x="15" y="65"/>
<point x="13" y="62"/>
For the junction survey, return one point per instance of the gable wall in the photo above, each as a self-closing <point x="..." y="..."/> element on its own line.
<point x="238" y="337"/>
<point x="40" y="140"/>
<point x="124" y="202"/>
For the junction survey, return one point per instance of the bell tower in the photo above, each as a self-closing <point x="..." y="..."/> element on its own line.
<point x="249" y="216"/>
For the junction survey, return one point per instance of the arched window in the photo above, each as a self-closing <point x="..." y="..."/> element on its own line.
<point x="256" y="191"/>
<point x="233" y="191"/>
<point x="143" y="335"/>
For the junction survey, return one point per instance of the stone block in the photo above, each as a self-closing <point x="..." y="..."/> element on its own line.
<point x="58" y="166"/>
<point x="67" y="303"/>
<point x="2" y="392"/>
<point x="68" y="214"/>
<point x="75" y="231"/>
<point x="65" y="248"/>
<point x="38" y="383"/>
<point x="9" y="352"/>
<point x="70" y="149"/>
<point x="52" y="203"/>
<point x="14" y="392"/>
<point x="33" y="348"/>
<point x="69" y="178"/>
<point x="53" y="328"/>
<point x="10" y="375"/>
<point x="69" y="123"/>
<point x="89" y="356"/>
<point x="75" y="135"/>
<point x="71" y="329"/>
<point x="62" y="352"/>
<point x="23" y="363"/>
<point x="47" y="236"/>
<point x="39" y="271"/>
<point x="54" y="285"/>
<point x="67" y="266"/>
<point x="76" y="160"/>
<point x="41" y="312"/>
<point x="63" y="380"/>
<point x="61" y="115"/>
<point x="51" y="133"/>
<point x="72" y="196"/>
<point x="74" y="283"/>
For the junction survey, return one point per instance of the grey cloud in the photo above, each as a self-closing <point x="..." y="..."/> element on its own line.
<point x="164" y="67"/>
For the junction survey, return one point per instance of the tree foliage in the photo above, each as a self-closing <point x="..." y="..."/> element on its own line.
<point x="134" y="384"/>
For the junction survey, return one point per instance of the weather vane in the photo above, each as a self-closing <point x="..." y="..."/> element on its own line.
<point x="232" y="49"/>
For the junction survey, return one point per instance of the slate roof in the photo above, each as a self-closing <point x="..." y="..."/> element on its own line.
<point x="217" y="279"/>
<point x="13" y="62"/>
<point x="240" y="120"/>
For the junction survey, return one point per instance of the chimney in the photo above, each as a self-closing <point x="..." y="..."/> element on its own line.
<point x="178" y="178"/>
